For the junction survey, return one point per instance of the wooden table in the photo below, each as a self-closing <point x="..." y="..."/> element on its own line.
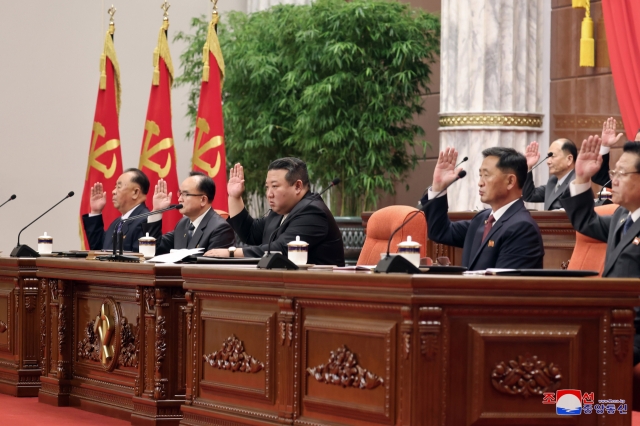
<point x="316" y="348"/>
<point x="20" y="327"/>
<point x="131" y="364"/>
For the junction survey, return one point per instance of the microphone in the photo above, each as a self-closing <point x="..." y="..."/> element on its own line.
<point x="24" y="250"/>
<point x="277" y="260"/>
<point x="118" y="241"/>
<point x="399" y="263"/>
<point x="13" y="197"/>
<point x="542" y="161"/>
<point x="463" y="160"/>
<point x="600" y="201"/>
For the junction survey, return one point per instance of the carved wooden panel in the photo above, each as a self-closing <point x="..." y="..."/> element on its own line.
<point x="6" y="313"/>
<point x="238" y="352"/>
<point x="346" y="359"/>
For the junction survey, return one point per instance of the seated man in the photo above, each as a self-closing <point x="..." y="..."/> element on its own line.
<point x="620" y="231"/>
<point x="201" y="226"/>
<point x="295" y="211"/>
<point x="128" y="198"/>
<point x="505" y="236"/>
<point x="561" y="168"/>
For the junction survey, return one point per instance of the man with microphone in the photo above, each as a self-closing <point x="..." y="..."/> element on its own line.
<point x="201" y="227"/>
<point x="128" y="198"/>
<point x="561" y="161"/>
<point x="505" y="236"/>
<point x="295" y="211"/>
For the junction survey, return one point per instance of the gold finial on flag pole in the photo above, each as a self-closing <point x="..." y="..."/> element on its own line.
<point x="165" y="6"/>
<point x="215" y="7"/>
<point x="111" y="12"/>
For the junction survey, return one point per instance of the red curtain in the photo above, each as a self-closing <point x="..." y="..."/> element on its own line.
<point x="621" y="19"/>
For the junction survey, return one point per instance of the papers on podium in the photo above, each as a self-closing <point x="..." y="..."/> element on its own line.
<point x="175" y="255"/>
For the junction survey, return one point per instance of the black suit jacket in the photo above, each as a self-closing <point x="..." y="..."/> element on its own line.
<point x="623" y="256"/>
<point x="99" y="239"/>
<point x="311" y="220"/>
<point x="514" y="241"/>
<point x="212" y="232"/>
<point x="547" y="193"/>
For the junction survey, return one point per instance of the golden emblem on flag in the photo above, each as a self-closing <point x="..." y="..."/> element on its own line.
<point x="99" y="131"/>
<point x="152" y="129"/>
<point x="203" y="128"/>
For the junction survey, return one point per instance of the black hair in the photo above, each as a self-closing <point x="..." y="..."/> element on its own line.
<point x="206" y="185"/>
<point x="140" y="179"/>
<point x="568" y="147"/>
<point x="633" y="148"/>
<point x="296" y="170"/>
<point x="509" y="160"/>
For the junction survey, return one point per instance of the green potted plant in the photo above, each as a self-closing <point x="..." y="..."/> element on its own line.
<point x="335" y="83"/>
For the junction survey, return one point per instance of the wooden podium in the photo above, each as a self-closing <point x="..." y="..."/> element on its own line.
<point x="113" y="338"/>
<point x="20" y="327"/>
<point x="325" y="348"/>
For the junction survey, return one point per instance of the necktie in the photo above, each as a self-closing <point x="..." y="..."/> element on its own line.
<point x="190" y="233"/>
<point x="627" y="224"/>
<point x="487" y="226"/>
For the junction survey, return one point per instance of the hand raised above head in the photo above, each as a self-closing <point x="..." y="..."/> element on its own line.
<point x="98" y="198"/>
<point x="532" y="154"/>
<point x="609" y="137"/>
<point x="445" y="171"/>
<point x="235" y="186"/>
<point x="589" y="159"/>
<point x="161" y="200"/>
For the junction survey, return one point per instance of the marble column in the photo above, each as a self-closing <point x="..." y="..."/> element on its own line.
<point x="491" y="82"/>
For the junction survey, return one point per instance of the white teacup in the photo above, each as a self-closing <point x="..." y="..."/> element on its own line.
<point x="147" y="246"/>
<point x="298" y="251"/>
<point x="410" y="250"/>
<point x="45" y="244"/>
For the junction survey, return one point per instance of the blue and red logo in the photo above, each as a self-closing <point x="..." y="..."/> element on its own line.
<point x="568" y="402"/>
<point x="572" y="402"/>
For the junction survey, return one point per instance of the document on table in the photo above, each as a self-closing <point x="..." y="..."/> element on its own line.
<point x="175" y="255"/>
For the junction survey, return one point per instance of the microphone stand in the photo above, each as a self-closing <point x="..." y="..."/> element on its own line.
<point x="13" y="197"/>
<point x="278" y="260"/>
<point x="399" y="263"/>
<point x="600" y="201"/>
<point x="118" y="242"/>
<point x="542" y="161"/>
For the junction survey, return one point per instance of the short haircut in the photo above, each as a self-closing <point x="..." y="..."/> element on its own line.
<point x="633" y="148"/>
<point x="140" y="179"/>
<point x="568" y="147"/>
<point x="295" y="167"/>
<point x="509" y="160"/>
<point x="206" y="185"/>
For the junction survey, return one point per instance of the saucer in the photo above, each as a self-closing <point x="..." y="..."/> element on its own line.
<point x="307" y="266"/>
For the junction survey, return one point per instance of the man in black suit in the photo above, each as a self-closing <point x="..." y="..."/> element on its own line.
<point x="622" y="229"/>
<point x="561" y="168"/>
<point x="201" y="227"/>
<point x="128" y="198"/>
<point x="294" y="209"/>
<point x="505" y="236"/>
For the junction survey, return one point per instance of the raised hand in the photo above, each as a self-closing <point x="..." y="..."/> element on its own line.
<point x="161" y="200"/>
<point x="98" y="198"/>
<point x="445" y="171"/>
<point x="235" y="186"/>
<point x="532" y="154"/>
<point x="589" y="159"/>
<point x="609" y="137"/>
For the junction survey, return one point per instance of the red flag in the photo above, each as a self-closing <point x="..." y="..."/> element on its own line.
<point x="158" y="154"/>
<point x="105" y="157"/>
<point x="208" y="148"/>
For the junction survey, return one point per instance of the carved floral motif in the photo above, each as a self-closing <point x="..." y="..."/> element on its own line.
<point x="161" y="344"/>
<point x="343" y="370"/>
<point x="128" y="356"/>
<point x="89" y="346"/>
<point x="232" y="357"/>
<point x="62" y="328"/>
<point x="30" y="303"/>
<point x="527" y="376"/>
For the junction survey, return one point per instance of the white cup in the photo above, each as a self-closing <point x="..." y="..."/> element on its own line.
<point x="45" y="244"/>
<point x="147" y="246"/>
<point x="410" y="250"/>
<point x="298" y="251"/>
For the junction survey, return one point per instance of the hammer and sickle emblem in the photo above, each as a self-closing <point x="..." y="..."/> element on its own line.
<point x="214" y="142"/>
<point x="105" y="327"/>
<point x="152" y="129"/>
<point x="99" y="131"/>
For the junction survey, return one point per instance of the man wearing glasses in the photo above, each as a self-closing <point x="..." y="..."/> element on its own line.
<point x="620" y="231"/>
<point x="201" y="227"/>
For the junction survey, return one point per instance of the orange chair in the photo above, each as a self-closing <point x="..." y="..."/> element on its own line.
<point x="380" y="226"/>
<point x="589" y="253"/>
<point x="222" y="213"/>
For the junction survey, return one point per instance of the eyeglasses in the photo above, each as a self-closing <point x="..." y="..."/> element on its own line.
<point x="186" y="194"/>
<point x="615" y="174"/>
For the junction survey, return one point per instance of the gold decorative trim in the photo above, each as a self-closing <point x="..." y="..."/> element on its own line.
<point x="583" y="122"/>
<point x="491" y="120"/>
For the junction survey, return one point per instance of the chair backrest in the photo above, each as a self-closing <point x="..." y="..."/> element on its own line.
<point x="222" y="213"/>
<point x="380" y="226"/>
<point x="589" y="254"/>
